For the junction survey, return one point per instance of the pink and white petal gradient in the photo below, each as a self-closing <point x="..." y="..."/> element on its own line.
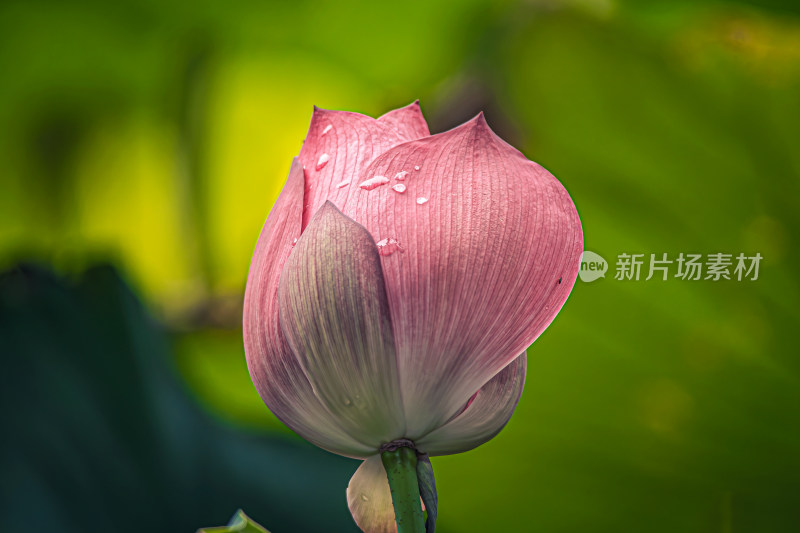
<point x="477" y="250"/>
<point x="485" y="415"/>
<point x="275" y="370"/>
<point x="335" y="316"/>
<point x="488" y="261"/>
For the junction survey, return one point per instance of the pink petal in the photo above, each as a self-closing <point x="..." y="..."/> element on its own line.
<point x="335" y="316"/>
<point x="275" y="372"/>
<point x="347" y="143"/>
<point x="370" y="499"/>
<point x="408" y="121"/>
<point x="483" y="418"/>
<point x="489" y="260"/>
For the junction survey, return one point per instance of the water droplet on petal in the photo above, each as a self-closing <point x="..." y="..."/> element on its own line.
<point x="416" y="167"/>
<point x="399" y="188"/>
<point x="371" y="183"/>
<point x="345" y="183"/>
<point x="322" y="161"/>
<point x="422" y="200"/>
<point x="294" y="242"/>
<point x="347" y="401"/>
<point x="389" y="246"/>
<point x="364" y="497"/>
<point x="400" y="176"/>
<point x="328" y="128"/>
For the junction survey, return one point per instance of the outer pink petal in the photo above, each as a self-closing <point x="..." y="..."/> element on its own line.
<point x="487" y="413"/>
<point x="335" y="316"/>
<point x="408" y="121"/>
<point x="340" y="145"/>
<point x="370" y="499"/>
<point x="275" y="372"/>
<point x="488" y="261"/>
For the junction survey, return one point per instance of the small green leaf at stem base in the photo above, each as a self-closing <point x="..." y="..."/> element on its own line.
<point x="240" y="523"/>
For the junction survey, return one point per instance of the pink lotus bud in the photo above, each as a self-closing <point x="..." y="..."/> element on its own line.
<point x="375" y="313"/>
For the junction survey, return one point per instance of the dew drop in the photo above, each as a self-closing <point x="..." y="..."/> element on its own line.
<point x="294" y="242"/>
<point x="347" y="402"/>
<point x="389" y="246"/>
<point x="322" y="161"/>
<point x="364" y="497"/>
<point x="399" y="188"/>
<point x="422" y="200"/>
<point x="400" y="176"/>
<point x="328" y="128"/>
<point x="371" y="183"/>
<point x="416" y="167"/>
<point x="345" y="183"/>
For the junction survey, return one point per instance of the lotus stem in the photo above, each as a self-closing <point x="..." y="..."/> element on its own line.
<point x="401" y="470"/>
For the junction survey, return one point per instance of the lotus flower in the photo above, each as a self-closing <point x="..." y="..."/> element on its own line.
<point x="396" y="284"/>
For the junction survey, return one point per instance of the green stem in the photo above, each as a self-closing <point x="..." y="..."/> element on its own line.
<point x="401" y="470"/>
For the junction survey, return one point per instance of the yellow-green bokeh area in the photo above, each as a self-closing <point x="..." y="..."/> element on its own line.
<point x="156" y="136"/>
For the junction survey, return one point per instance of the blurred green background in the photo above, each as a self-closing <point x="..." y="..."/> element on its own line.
<point x="151" y="138"/>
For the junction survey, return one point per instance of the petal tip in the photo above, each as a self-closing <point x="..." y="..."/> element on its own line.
<point x="476" y="127"/>
<point x="330" y="211"/>
<point x="330" y="205"/>
<point x="318" y="112"/>
<point x="327" y="210"/>
<point x="479" y="122"/>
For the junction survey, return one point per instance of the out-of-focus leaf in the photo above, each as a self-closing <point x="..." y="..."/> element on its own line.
<point x="210" y="361"/>
<point x="656" y="406"/>
<point x="240" y="523"/>
<point x="102" y="436"/>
